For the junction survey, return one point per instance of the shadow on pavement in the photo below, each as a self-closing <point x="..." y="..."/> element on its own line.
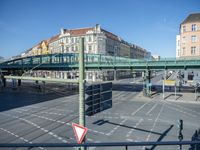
<point x="28" y="95"/>
<point x="127" y="87"/>
<point x="161" y="137"/>
<point x="195" y="137"/>
<point x="177" y="96"/>
<point x="102" y="121"/>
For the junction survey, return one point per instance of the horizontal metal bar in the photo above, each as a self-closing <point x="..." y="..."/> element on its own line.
<point x="42" y="79"/>
<point x="164" y="143"/>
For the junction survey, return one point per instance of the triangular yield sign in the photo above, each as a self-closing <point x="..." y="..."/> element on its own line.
<point x="79" y="131"/>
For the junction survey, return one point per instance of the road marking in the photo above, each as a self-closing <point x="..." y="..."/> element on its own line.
<point x="61" y="122"/>
<point x="49" y="108"/>
<point x="186" y="113"/>
<point x="37" y="126"/>
<point x="17" y="136"/>
<point x="181" y="107"/>
<point x="140" y="108"/>
<point x="154" y="106"/>
<point x="115" y="128"/>
<point x="156" y="120"/>
<point x="138" y="123"/>
<point x="130" y="140"/>
<point x="141" y="119"/>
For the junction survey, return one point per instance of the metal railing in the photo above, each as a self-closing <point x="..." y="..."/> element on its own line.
<point x="96" y="60"/>
<point x="194" y="144"/>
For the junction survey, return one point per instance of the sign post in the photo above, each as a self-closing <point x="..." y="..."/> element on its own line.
<point x="169" y="83"/>
<point x="81" y="87"/>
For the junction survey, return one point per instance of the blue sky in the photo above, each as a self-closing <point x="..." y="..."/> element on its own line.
<point x="151" y="24"/>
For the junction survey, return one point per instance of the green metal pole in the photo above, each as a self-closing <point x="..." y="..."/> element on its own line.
<point x="81" y="87"/>
<point x="149" y="82"/>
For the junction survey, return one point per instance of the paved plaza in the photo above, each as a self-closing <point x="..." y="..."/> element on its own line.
<point x="31" y="116"/>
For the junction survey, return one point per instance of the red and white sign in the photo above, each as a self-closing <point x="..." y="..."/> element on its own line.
<point x="79" y="131"/>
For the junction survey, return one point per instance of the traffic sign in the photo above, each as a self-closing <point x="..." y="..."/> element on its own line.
<point x="170" y="82"/>
<point x="98" y="98"/>
<point x="79" y="131"/>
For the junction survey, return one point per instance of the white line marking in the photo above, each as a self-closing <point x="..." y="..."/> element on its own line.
<point x="149" y="135"/>
<point x="17" y="136"/>
<point x="61" y="122"/>
<point x="186" y="113"/>
<point x="114" y="129"/>
<point x="140" y="108"/>
<point x="33" y="124"/>
<point x="138" y="123"/>
<point x="154" y="106"/>
<point x="181" y="107"/>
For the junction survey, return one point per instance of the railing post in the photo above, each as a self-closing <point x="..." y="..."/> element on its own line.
<point x="40" y="59"/>
<point x="115" y="74"/>
<point x="100" y="60"/>
<point x="50" y="58"/>
<point x="126" y="147"/>
<point x="31" y="60"/>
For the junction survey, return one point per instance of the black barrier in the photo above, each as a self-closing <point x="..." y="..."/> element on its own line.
<point x="195" y="137"/>
<point x="112" y="144"/>
<point x="98" y="98"/>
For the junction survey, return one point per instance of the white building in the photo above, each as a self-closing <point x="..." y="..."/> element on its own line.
<point x="97" y="41"/>
<point x="178" y="48"/>
<point x="2" y="59"/>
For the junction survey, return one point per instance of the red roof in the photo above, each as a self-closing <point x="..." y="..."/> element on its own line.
<point x="110" y="35"/>
<point x="52" y="39"/>
<point x="76" y="32"/>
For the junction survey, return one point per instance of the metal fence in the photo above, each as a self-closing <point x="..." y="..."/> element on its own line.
<point x="194" y="145"/>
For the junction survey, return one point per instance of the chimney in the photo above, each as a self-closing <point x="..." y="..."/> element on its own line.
<point x="98" y="28"/>
<point x="62" y="31"/>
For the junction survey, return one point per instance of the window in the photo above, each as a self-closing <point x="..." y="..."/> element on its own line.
<point x="183" y="51"/>
<point x="193" y="50"/>
<point x="67" y="40"/>
<point x="194" y="38"/>
<point x="194" y="27"/>
<point x="178" y="42"/>
<point x="90" y="39"/>
<point x="183" y="39"/>
<point x="184" y="28"/>
<point x="72" y="40"/>
<point x="76" y="48"/>
<point x="179" y="52"/>
<point x="77" y="40"/>
<point x="72" y="48"/>
<point x="67" y="49"/>
<point x="90" y="48"/>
